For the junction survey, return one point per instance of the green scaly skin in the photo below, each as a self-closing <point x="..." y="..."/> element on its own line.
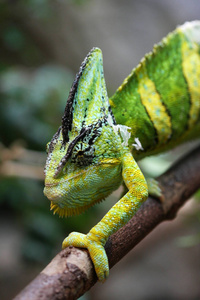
<point x="156" y="108"/>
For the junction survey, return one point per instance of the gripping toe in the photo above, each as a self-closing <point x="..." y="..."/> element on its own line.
<point x="96" y="251"/>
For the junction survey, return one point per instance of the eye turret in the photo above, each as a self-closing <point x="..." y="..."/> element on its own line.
<point x="83" y="155"/>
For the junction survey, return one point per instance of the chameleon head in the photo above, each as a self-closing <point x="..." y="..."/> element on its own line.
<point x="83" y="164"/>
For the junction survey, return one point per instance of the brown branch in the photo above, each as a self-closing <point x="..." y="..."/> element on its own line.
<point x="70" y="274"/>
<point x="18" y="161"/>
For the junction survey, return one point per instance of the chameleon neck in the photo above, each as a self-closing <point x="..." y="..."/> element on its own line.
<point x="161" y="96"/>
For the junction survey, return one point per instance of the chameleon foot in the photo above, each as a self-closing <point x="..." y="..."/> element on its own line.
<point x="154" y="189"/>
<point x="96" y="250"/>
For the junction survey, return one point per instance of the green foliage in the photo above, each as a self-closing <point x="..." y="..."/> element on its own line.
<point x="32" y="103"/>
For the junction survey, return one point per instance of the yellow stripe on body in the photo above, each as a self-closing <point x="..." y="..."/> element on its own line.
<point x="156" y="110"/>
<point x="191" y="71"/>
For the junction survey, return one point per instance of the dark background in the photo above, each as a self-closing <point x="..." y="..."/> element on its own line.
<point x="42" y="46"/>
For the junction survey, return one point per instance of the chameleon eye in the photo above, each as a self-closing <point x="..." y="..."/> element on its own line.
<point x="80" y="152"/>
<point x="83" y="155"/>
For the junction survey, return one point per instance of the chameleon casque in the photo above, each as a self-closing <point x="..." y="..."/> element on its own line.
<point x="156" y="108"/>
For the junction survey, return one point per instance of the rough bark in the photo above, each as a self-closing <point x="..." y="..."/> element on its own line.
<point x="70" y="274"/>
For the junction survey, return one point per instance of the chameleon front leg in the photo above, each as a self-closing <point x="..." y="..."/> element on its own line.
<point x="117" y="216"/>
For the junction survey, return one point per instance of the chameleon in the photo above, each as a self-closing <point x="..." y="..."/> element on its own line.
<point x="95" y="149"/>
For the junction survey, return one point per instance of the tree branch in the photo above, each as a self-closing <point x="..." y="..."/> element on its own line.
<point x="20" y="162"/>
<point x="70" y="274"/>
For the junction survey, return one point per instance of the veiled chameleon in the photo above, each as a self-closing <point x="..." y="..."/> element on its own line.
<point x="156" y="108"/>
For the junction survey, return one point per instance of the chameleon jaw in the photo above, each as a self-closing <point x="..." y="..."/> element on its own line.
<point x="73" y="195"/>
<point x="68" y="212"/>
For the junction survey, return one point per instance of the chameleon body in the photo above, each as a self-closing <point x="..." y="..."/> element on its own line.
<point x="156" y="108"/>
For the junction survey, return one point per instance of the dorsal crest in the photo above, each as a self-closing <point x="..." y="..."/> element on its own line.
<point x="88" y="101"/>
<point x="87" y="107"/>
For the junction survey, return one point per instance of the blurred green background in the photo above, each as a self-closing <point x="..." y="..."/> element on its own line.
<point x="42" y="46"/>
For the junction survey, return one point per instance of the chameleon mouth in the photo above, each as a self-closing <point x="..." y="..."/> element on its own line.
<point x="52" y="182"/>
